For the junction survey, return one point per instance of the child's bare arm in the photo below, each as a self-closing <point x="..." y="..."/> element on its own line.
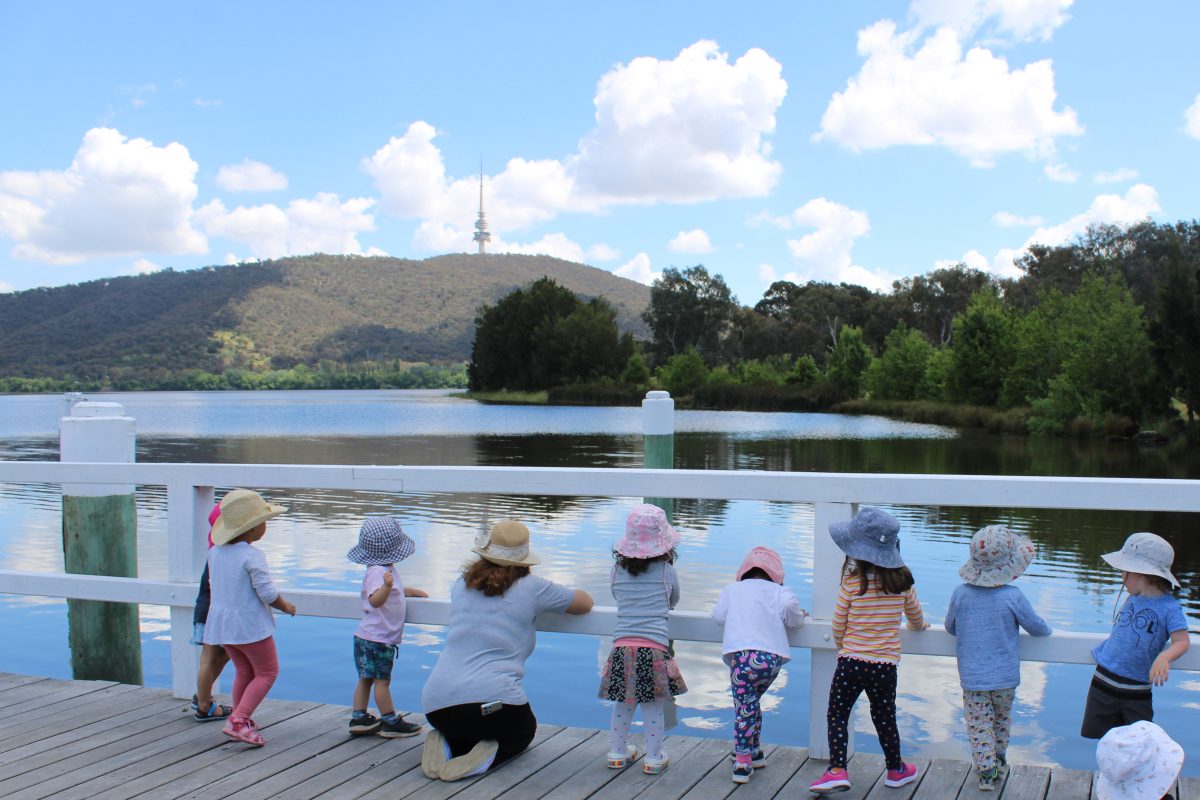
<point x="410" y="591"/>
<point x="1162" y="665"/>
<point x="283" y="605"/>
<point x="380" y="595"/>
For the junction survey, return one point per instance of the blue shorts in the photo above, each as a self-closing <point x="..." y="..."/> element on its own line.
<point x="373" y="659"/>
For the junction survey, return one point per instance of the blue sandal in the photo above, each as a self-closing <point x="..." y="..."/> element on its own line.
<point x="215" y="711"/>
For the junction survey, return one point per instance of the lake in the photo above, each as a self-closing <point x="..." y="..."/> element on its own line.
<point x="1068" y="582"/>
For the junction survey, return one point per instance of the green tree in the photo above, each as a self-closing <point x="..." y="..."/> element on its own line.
<point x="683" y="373"/>
<point x="636" y="371"/>
<point x="1175" y="330"/>
<point x="689" y="310"/>
<point x="899" y="373"/>
<point x="848" y="362"/>
<point x="983" y="342"/>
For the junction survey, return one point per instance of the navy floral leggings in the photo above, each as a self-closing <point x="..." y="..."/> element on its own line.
<point x="851" y="678"/>
<point x="750" y="675"/>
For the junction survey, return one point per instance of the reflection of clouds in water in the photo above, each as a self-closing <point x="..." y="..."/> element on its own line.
<point x="702" y="723"/>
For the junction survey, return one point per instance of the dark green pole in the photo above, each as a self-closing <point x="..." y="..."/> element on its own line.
<point x="100" y="538"/>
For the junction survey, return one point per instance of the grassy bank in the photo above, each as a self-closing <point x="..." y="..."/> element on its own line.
<point x="504" y="397"/>
<point x="1013" y="421"/>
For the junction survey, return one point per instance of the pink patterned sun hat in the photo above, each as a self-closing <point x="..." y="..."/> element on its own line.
<point x="647" y="533"/>
<point x="765" y="559"/>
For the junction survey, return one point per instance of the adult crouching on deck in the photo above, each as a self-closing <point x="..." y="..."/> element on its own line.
<point x="474" y="702"/>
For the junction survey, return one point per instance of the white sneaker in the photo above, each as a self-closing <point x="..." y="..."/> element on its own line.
<point x="653" y="766"/>
<point x="622" y="760"/>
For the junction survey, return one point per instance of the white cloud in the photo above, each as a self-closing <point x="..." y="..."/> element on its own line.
<point x="142" y="266"/>
<point x="1191" y="119"/>
<point x="638" y="269"/>
<point x="250" y="176"/>
<point x="693" y="241"/>
<point x="323" y="224"/>
<point x="1119" y="175"/>
<point x="118" y="197"/>
<point x="1007" y="220"/>
<point x="1022" y="19"/>
<point x="934" y="94"/>
<point x="972" y="259"/>
<point x="1060" y="173"/>
<point x="206" y="103"/>
<point x="6" y="287"/>
<point x="685" y="130"/>
<point x="603" y="252"/>
<point x="552" y="244"/>
<point x="824" y="254"/>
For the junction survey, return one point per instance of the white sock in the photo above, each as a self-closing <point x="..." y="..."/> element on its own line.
<point x="618" y="733"/>
<point x="653" y="721"/>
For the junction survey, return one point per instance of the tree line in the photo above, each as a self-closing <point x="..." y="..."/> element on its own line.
<point x="1102" y="333"/>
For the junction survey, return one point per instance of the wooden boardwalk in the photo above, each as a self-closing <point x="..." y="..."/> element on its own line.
<point x="71" y="740"/>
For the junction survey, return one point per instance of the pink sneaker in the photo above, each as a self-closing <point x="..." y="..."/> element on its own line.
<point x="244" y="732"/>
<point x="900" y="777"/>
<point x="834" y="780"/>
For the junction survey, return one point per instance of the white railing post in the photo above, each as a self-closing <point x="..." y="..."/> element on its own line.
<point x="187" y="549"/>
<point x="658" y="441"/>
<point x="827" y="572"/>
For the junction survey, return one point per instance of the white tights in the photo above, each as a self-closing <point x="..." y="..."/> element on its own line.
<point x="652" y="721"/>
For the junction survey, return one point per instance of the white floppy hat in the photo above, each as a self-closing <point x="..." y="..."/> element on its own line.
<point x="1147" y="554"/>
<point x="1136" y="762"/>
<point x="241" y="510"/>
<point x="998" y="556"/>
<point x="506" y="545"/>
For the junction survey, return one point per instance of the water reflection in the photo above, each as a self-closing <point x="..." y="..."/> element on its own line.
<point x="1068" y="582"/>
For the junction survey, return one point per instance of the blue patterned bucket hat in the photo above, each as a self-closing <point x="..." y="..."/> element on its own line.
<point x="872" y="536"/>
<point x="381" y="540"/>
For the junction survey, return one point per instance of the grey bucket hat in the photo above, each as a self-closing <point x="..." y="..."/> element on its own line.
<point x="1145" y="553"/>
<point x="872" y="536"/>
<point x="381" y="540"/>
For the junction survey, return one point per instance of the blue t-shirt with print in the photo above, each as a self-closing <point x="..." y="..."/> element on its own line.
<point x="1142" y="629"/>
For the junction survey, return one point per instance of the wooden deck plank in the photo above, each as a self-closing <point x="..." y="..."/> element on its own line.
<point x="884" y="792"/>
<point x="10" y="680"/>
<point x="797" y="785"/>
<point x="203" y="758"/>
<point x="18" y="695"/>
<point x="379" y="779"/>
<point x="866" y="770"/>
<point x="1189" y="788"/>
<point x="1026" y="783"/>
<point x="439" y="790"/>
<point x="943" y="779"/>
<point x="72" y="690"/>
<point x="1069" y="784"/>
<point x="711" y="755"/>
<point x="586" y="754"/>
<point x="598" y="781"/>
<point x="520" y="772"/>
<point x="68" y="710"/>
<point x="333" y="769"/>
<point x="718" y="783"/>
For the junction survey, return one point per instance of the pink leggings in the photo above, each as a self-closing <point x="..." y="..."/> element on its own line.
<point x="257" y="667"/>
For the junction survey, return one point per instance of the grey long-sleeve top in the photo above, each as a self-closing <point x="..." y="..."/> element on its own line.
<point x="986" y="623"/>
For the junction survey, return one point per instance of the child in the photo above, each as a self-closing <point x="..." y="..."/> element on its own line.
<point x="1132" y="658"/>
<point x="213" y="657"/>
<point x="242" y="598"/>
<point x="1137" y="762"/>
<point x="876" y="588"/>
<point x="381" y="543"/>
<point x="640" y="669"/>
<point x="756" y="611"/>
<point x="986" y="614"/>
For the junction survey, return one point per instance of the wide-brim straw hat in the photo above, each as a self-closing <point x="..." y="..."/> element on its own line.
<point x="381" y="540"/>
<point x="872" y="536"/>
<point x="1136" y="762"/>
<point x="1145" y="553"/>
<point x="998" y="556"/>
<point x="507" y="545"/>
<point x="648" y="534"/>
<point x="242" y="510"/>
<point x="763" y="558"/>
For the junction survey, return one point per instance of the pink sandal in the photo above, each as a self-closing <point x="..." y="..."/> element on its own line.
<point x="244" y="732"/>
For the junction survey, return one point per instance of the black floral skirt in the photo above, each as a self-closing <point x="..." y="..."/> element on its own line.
<point x="640" y="675"/>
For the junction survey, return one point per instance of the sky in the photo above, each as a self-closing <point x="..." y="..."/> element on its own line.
<point x="857" y="142"/>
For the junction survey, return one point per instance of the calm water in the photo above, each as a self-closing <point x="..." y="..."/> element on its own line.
<point x="1068" y="582"/>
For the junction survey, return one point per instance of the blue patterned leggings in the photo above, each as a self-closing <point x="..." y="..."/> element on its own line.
<point x="851" y="678"/>
<point x="750" y="675"/>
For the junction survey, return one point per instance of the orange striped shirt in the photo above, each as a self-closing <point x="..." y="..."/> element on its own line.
<point x="868" y="626"/>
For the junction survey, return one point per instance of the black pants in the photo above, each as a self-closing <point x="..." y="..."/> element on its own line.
<point x="851" y="678"/>
<point x="464" y="727"/>
<point x="1110" y="707"/>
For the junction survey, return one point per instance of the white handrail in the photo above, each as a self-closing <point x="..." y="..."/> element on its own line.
<point x="190" y="493"/>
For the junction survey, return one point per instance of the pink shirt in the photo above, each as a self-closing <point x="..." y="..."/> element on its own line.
<point x="386" y="623"/>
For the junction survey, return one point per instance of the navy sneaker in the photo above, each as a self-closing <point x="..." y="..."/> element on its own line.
<point x="364" y="725"/>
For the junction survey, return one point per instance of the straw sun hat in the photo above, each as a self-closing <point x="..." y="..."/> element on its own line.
<point x="242" y="510"/>
<point x="506" y="545"/>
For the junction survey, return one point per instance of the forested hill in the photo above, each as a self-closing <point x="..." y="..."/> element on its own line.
<point x="276" y="314"/>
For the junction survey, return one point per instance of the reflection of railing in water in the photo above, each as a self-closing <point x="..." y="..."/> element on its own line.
<point x="190" y="496"/>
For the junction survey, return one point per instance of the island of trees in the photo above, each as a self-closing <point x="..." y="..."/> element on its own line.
<point x="1098" y="336"/>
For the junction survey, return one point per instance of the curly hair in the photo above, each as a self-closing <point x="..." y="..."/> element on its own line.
<point x="491" y="579"/>
<point x="636" y="566"/>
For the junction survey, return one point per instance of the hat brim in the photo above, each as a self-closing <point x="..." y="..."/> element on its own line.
<point x="998" y="575"/>
<point x="628" y="547"/>
<point x="1127" y="563"/>
<point x="862" y="550"/>
<point x="530" y="558"/>
<point x="1154" y="782"/>
<point x="224" y="534"/>
<point x="402" y="550"/>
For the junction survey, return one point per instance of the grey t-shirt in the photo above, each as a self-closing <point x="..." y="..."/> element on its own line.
<point x="643" y="601"/>
<point x="487" y="643"/>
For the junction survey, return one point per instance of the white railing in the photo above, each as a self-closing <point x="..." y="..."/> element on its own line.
<point x="835" y="497"/>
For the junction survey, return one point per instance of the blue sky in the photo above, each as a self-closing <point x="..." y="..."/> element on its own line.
<point x="857" y="142"/>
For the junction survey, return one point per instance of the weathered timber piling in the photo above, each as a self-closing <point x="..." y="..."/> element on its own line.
<point x="99" y="522"/>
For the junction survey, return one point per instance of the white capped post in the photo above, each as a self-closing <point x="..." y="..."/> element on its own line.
<point x="658" y="440"/>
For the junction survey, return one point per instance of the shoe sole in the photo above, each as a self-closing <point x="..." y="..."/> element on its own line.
<point x="829" y="789"/>
<point x="398" y="734"/>
<point x="741" y="778"/>
<point x="899" y="783"/>
<point x="462" y="766"/>
<point x="433" y="756"/>
<point x="367" y="731"/>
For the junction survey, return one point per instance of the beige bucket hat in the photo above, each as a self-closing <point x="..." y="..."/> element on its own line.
<point x="507" y="545"/>
<point x="1145" y="553"/>
<point x="242" y="510"/>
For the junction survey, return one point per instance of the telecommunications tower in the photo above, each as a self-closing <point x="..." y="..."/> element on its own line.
<point x="481" y="231"/>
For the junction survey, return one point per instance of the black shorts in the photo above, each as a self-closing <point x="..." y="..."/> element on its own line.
<point x="1111" y="707"/>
